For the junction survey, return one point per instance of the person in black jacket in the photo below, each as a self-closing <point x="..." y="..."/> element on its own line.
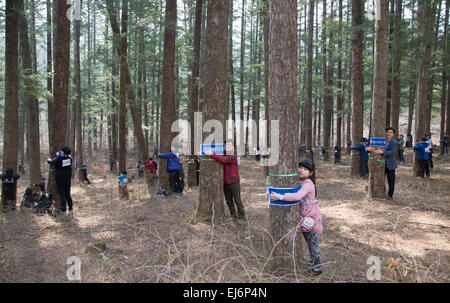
<point x="9" y="189"/>
<point x="85" y="178"/>
<point x="63" y="174"/>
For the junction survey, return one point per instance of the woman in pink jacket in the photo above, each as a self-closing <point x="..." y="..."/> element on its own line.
<point x="310" y="218"/>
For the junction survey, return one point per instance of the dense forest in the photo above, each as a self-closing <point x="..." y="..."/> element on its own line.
<point x="110" y="77"/>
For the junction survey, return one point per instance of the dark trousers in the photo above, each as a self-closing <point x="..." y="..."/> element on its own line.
<point x="63" y="189"/>
<point x="175" y="182"/>
<point x="424" y="168"/>
<point x="445" y="149"/>
<point x="9" y="200"/>
<point x="400" y="155"/>
<point x="312" y="240"/>
<point x="364" y="167"/>
<point x="391" y="181"/>
<point x="431" y="161"/>
<point x="197" y="176"/>
<point x="86" y="179"/>
<point x="233" y="197"/>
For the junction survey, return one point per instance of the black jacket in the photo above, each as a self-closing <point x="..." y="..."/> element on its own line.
<point x="63" y="166"/>
<point x="9" y="186"/>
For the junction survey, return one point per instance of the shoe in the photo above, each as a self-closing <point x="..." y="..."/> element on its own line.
<point x="240" y="221"/>
<point x="311" y="270"/>
<point x="62" y="213"/>
<point x="70" y="212"/>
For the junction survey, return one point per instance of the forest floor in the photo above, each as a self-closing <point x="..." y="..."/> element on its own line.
<point x="150" y="240"/>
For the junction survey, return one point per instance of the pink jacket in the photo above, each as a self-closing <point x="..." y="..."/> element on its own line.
<point x="309" y="206"/>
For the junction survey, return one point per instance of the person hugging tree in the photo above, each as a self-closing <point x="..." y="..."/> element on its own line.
<point x="231" y="187"/>
<point x="310" y="217"/>
<point x="9" y="189"/>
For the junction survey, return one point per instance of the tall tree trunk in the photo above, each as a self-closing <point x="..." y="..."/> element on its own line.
<point x="61" y="81"/>
<point x="138" y="132"/>
<point x="210" y="206"/>
<point x="266" y="31"/>
<point x="309" y="74"/>
<point x="49" y="68"/>
<point x="444" y="92"/>
<point x="168" y="114"/>
<point x="193" y="104"/>
<point x="329" y="94"/>
<point x="284" y="108"/>
<point x="357" y="83"/>
<point x="340" y="98"/>
<point x="241" y="76"/>
<point x="77" y="82"/>
<point x="411" y="103"/>
<point x="426" y="23"/>
<point x="231" y="90"/>
<point x="123" y="89"/>
<point x="114" y="119"/>
<point x="397" y="55"/>
<point x="30" y="85"/>
<point x="376" y="168"/>
<point x="325" y="99"/>
<point x="11" y="125"/>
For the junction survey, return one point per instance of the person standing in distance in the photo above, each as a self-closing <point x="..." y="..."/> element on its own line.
<point x="63" y="175"/>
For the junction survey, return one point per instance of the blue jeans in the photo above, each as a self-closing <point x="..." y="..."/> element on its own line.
<point x="314" y="250"/>
<point x="400" y="154"/>
<point x="364" y="167"/>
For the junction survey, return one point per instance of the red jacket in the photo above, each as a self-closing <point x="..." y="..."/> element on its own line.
<point x="151" y="165"/>
<point x="230" y="169"/>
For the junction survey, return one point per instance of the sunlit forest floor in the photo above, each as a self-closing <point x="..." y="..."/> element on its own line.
<point x="150" y="240"/>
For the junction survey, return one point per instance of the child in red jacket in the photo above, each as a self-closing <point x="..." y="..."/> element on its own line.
<point x="231" y="188"/>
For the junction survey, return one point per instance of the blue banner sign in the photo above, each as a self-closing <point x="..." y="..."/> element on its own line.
<point x="282" y="191"/>
<point x="378" y="142"/>
<point x="218" y="149"/>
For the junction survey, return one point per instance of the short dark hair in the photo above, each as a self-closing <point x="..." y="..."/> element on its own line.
<point x="390" y="128"/>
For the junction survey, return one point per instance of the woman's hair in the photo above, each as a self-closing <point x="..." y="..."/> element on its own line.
<point x="29" y="191"/>
<point x="309" y="165"/>
<point x="124" y="172"/>
<point x="9" y="172"/>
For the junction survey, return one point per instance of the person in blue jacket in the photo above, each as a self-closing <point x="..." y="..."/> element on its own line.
<point x="424" y="157"/>
<point x="174" y="168"/>
<point x="363" y="156"/>
<point x="389" y="155"/>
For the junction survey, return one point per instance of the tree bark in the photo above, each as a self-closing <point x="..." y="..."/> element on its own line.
<point x="309" y="74"/>
<point x="168" y="114"/>
<point x="376" y="168"/>
<point x="397" y="55"/>
<point x="340" y="98"/>
<point x="210" y="206"/>
<point x="60" y="81"/>
<point x="426" y="24"/>
<point x="284" y="107"/>
<point x="444" y="91"/>
<point x="10" y="132"/>
<point x="77" y="82"/>
<point x="193" y="104"/>
<point x="30" y="86"/>
<point x="357" y="83"/>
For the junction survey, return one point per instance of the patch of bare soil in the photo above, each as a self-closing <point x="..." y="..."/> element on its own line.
<point x="150" y="240"/>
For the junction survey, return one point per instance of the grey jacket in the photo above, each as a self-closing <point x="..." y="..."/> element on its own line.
<point x="390" y="155"/>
